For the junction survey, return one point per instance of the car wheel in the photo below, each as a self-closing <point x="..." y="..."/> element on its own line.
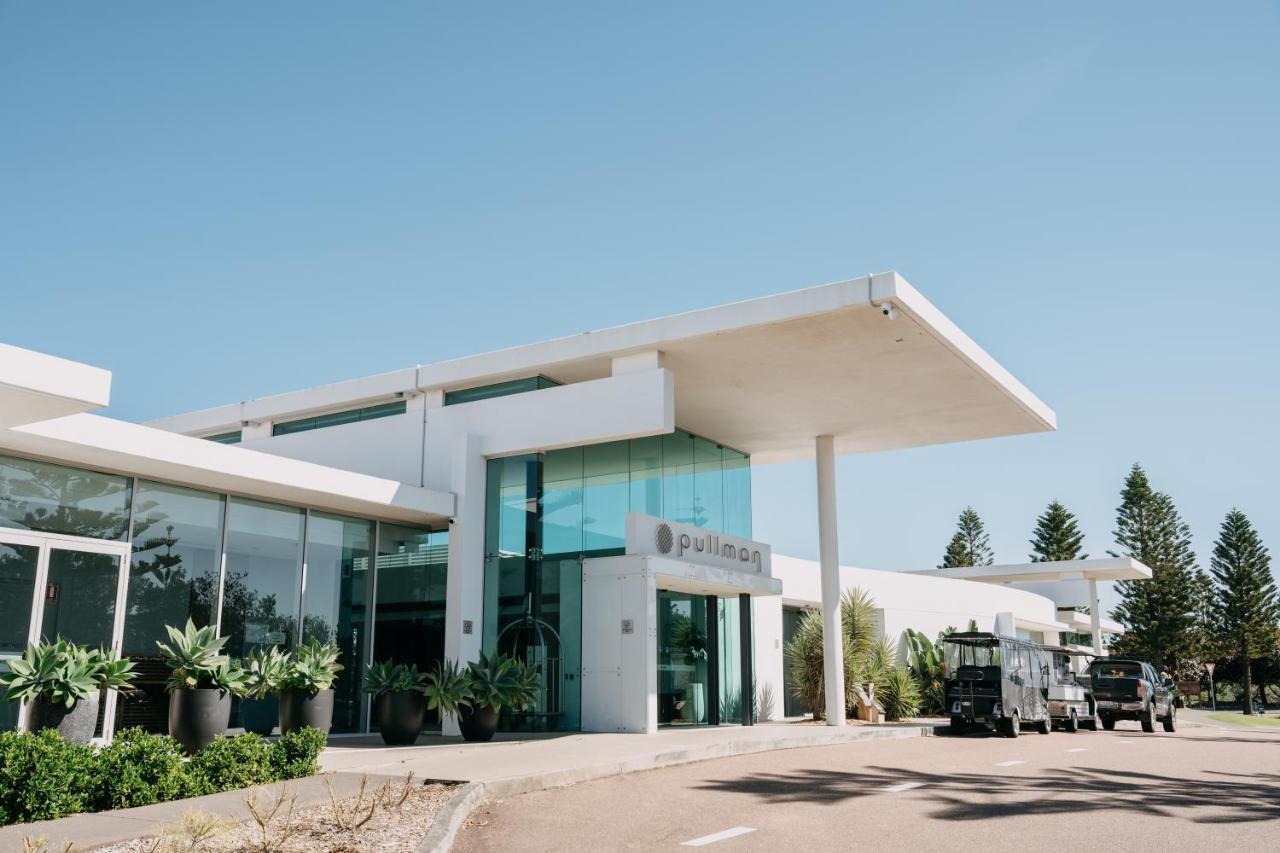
<point x="1148" y="719"/>
<point x="1072" y="725"/>
<point x="1108" y="724"/>
<point x="1013" y="725"/>
<point x="1045" y="726"/>
<point x="1171" y="722"/>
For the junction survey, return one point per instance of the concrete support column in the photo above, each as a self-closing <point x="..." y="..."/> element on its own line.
<point x="464" y="595"/>
<point x="1095" y="617"/>
<point x="829" y="558"/>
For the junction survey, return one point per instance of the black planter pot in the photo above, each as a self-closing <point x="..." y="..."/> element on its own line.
<point x="300" y="709"/>
<point x="197" y="716"/>
<point x="259" y="716"/>
<point x="75" y="724"/>
<point x="399" y="716"/>
<point x="478" y="724"/>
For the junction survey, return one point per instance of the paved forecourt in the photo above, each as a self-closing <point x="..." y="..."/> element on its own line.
<point x="1200" y="788"/>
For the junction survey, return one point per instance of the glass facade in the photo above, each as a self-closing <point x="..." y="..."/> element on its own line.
<point x="545" y="512"/>
<point x="685" y="641"/>
<point x="232" y="437"/>
<point x="269" y="574"/>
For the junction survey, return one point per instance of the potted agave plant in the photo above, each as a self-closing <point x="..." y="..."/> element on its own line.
<point x="306" y="687"/>
<point x="264" y="669"/>
<point x="399" y="706"/>
<point x="201" y="683"/>
<point x="494" y="683"/>
<point x="62" y="684"/>
<point x="447" y="689"/>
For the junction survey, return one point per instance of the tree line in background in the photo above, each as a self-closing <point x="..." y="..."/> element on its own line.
<point x="1184" y="617"/>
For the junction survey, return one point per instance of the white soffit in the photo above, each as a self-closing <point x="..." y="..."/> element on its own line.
<point x="1100" y="569"/>
<point x="35" y="387"/>
<point x="103" y="443"/>
<point x="764" y="376"/>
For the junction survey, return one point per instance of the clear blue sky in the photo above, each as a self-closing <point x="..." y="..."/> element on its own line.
<point x="221" y="201"/>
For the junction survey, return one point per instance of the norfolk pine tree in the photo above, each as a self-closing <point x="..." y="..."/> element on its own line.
<point x="1248" y="605"/>
<point x="1057" y="536"/>
<point x="970" y="546"/>
<point x="1159" y="614"/>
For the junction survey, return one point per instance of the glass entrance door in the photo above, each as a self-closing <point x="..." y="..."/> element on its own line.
<point x="51" y="587"/>
<point x="684" y="643"/>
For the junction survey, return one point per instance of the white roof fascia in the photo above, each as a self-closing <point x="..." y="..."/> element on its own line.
<point x="105" y="443"/>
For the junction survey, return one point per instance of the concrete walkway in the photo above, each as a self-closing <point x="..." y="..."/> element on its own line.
<point x="518" y="764"/>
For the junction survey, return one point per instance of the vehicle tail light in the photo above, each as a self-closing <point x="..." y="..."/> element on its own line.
<point x="1142" y="690"/>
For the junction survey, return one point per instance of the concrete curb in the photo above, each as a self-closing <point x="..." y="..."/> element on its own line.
<point x="447" y="822"/>
<point x="443" y="832"/>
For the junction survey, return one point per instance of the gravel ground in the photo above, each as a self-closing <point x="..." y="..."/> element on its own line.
<point x="400" y="818"/>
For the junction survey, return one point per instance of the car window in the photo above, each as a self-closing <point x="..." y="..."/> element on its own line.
<point x="1121" y="669"/>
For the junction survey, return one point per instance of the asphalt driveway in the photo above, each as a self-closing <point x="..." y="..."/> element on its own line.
<point x="1202" y="788"/>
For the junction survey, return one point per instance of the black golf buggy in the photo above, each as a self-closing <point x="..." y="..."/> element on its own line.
<point x="996" y="683"/>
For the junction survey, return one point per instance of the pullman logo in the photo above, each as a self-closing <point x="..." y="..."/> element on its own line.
<point x="664" y="538"/>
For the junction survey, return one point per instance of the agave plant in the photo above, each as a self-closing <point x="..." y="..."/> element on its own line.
<point x="264" y="669"/>
<point x="388" y="677"/>
<point x="194" y="656"/>
<point x="448" y="689"/>
<point x="499" y="682"/>
<point x="312" y="668"/>
<point x="900" y="695"/>
<point x="63" y="673"/>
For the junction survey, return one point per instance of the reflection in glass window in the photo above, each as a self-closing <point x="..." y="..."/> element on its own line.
<point x="606" y="494"/>
<point x="173" y="576"/>
<point x="58" y="499"/>
<point x="264" y="575"/>
<point x="334" y="604"/>
<point x="413" y="566"/>
<point x="708" y="485"/>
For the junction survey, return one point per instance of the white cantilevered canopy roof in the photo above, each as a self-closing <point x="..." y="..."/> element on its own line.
<point x="36" y="387"/>
<point x="763" y="376"/>
<point x="1101" y="569"/>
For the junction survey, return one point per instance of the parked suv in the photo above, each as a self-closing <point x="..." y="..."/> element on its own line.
<point x="1132" y="690"/>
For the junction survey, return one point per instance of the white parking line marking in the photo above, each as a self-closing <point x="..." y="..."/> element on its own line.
<point x="1124" y="741"/>
<point x="724" y="835"/>
<point x="1078" y="749"/>
<point x="1009" y="763"/>
<point x="905" y="786"/>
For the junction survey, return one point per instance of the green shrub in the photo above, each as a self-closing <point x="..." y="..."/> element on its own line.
<point x="43" y="776"/>
<point x="138" y="769"/>
<point x="229" y="763"/>
<point x="295" y="754"/>
<point x="899" y="695"/>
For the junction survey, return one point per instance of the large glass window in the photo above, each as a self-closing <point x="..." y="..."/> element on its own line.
<point x="334" y="604"/>
<point x="413" y="567"/>
<point x="173" y="576"/>
<point x="264" y="574"/>
<point x="606" y="495"/>
<point x="53" y="498"/>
